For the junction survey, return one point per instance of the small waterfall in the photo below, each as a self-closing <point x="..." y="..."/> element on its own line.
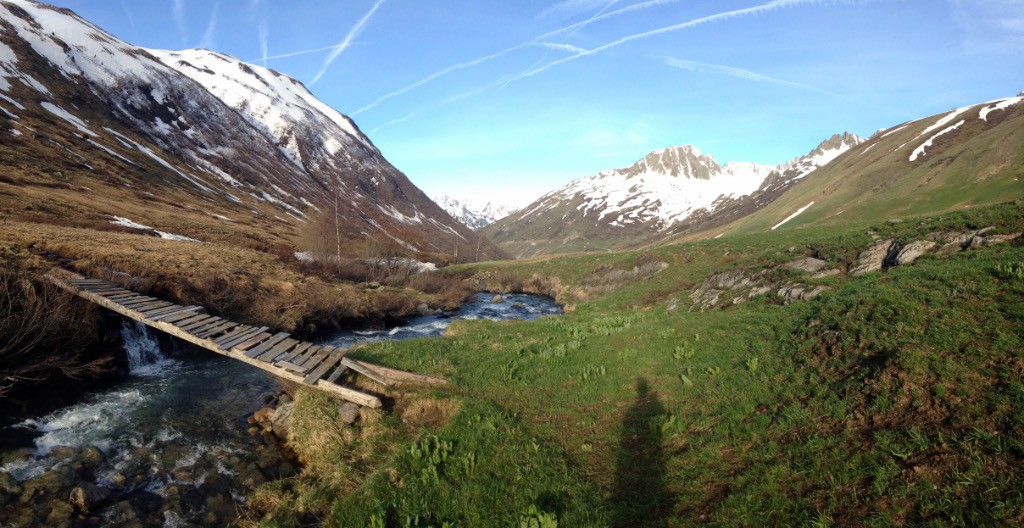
<point x="141" y="347"/>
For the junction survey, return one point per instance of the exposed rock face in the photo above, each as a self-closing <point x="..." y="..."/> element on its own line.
<point x="873" y="258"/>
<point x="912" y="251"/>
<point x="808" y="264"/>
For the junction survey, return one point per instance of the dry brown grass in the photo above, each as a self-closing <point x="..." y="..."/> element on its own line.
<point x="431" y="413"/>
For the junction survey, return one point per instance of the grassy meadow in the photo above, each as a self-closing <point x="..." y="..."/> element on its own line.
<point x="892" y="399"/>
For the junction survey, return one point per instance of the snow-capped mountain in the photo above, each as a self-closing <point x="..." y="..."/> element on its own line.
<point x="652" y="197"/>
<point x="473" y="215"/>
<point x="208" y="124"/>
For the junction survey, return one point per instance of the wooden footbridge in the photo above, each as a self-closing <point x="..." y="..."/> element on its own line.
<point x="300" y="362"/>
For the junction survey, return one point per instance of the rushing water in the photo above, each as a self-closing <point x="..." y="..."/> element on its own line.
<point x="173" y="435"/>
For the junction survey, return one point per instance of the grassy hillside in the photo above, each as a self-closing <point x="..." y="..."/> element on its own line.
<point x="893" y="398"/>
<point x="981" y="162"/>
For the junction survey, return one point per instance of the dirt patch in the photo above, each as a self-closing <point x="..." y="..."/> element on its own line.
<point x="430" y="412"/>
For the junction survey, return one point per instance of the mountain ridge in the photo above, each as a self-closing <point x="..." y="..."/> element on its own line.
<point x="654" y="196"/>
<point x="243" y="138"/>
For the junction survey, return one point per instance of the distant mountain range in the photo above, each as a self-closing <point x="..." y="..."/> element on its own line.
<point x="203" y="128"/>
<point x="474" y="215"/>
<point x="668" y="191"/>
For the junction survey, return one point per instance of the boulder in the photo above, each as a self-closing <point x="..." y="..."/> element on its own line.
<point x="912" y="251"/>
<point x="60" y="514"/>
<point x="281" y="419"/>
<point x="348" y="412"/>
<point x="497" y="299"/>
<point x="873" y="258"/>
<point x="808" y="264"/>
<point x="814" y="293"/>
<point x="758" y="290"/>
<point x="87" y="496"/>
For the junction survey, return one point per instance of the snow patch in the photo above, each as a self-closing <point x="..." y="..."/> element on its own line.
<point x="920" y="151"/>
<point x="792" y="216"/>
<point x="121" y="221"/>
<point x="999" y="105"/>
<point x="67" y="116"/>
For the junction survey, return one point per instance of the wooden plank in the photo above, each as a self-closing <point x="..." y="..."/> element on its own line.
<point x="333" y="378"/>
<point x="178" y="315"/>
<point x="266" y="345"/>
<point x="295" y="362"/>
<point x="210" y="332"/>
<point x="111" y="292"/>
<point x="402" y="375"/>
<point x="310" y="360"/>
<point x="251" y="342"/>
<point x="324" y="366"/>
<point x="277" y="350"/>
<point x="358" y="367"/>
<point x="123" y="296"/>
<point x="141" y="300"/>
<point x="307" y="362"/>
<point x="240" y="329"/>
<point x="202" y="321"/>
<point x="194" y="318"/>
<point x="160" y="311"/>
<point x="149" y="306"/>
<point x="210" y="323"/>
<point x="297" y="351"/>
<point x="228" y="344"/>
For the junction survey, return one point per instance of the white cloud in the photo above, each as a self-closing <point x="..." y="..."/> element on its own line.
<point x="990" y="24"/>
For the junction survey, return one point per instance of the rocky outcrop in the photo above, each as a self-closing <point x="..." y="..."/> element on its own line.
<point x="873" y="258"/>
<point x="736" y="286"/>
<point x="912" y="251"/>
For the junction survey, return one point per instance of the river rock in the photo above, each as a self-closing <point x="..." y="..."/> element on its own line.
<point x="87" y="496"/>
<point x="497" y="299"/>
<point x="63" y="453"/>
<point x="348" y="412"/>
<point x="912" y="251"/>
<point x="60" y="514"/>
<point x="122" y="514"/>
<point x="48" y="484"/>
<point x="281" y="419"/>
<point x="873" y="258"/>
<point x="14" y="456"/>
<point x="423" y="309"/>
<point x="808" y="264"/>
<point x="8" y="488"/>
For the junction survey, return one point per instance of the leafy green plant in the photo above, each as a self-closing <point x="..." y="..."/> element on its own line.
<point x="714" y="371"/>
<point x="752" y="364"/>
<point x="1010" y="270"/>
<point x="535" y="518"/>
<point x="682" y="352"/>
<point x="592" y="371"/>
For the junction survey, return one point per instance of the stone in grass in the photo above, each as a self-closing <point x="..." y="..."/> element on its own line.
<point x="912" y="251"/>
<point x="348" y="412"/>
<point x="873" y="258"/>
<point x="808" y="264"/>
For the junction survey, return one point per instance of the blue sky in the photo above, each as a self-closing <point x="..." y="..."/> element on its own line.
<point x="507" y="100"/>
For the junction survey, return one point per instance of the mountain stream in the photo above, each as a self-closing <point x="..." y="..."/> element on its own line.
<point x="168" y="445"/>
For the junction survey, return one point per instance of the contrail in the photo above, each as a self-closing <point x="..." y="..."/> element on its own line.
<point x="211" y="27"/>
<point x="770" y="6"/>
<point x="340" y="47"/>
<point x="562" y="47"/>
<point x="178" y="14"/>
<point x="435" y="75"/>
<point x="469" y="64"/>
<point x="264" y="30"/>
<point x="734" y="72"/>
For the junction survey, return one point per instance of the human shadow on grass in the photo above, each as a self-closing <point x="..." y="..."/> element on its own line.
<point x="640" y="496"/>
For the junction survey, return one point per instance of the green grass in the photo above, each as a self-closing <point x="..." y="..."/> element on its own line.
<point x="895" y="398"/>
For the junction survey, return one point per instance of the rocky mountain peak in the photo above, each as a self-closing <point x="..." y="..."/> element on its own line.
<point x="686" y="161"/>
